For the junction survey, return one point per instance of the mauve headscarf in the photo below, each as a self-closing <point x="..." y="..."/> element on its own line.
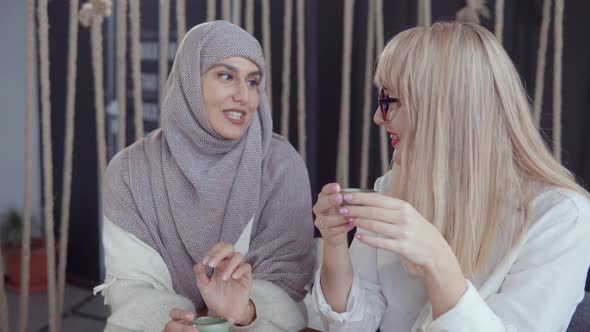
<point x="183" y="188"/>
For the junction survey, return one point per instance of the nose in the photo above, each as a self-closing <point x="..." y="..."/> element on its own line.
<point x="241" y="93"/>
<point x="378" y="118"/>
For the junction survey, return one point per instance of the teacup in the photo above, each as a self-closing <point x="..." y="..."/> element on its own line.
<point x="211" y="324"/>
<point x="353" y="190"/>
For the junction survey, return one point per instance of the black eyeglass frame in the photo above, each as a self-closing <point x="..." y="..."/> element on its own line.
<point x="384" y="102"/>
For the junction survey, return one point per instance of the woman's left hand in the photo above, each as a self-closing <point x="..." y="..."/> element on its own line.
<point x="227" y="292"/>
<point x="403" y="230"/>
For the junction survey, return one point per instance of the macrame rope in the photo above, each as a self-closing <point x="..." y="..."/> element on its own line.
<point x="3" y="303"/>
<point x="557" y="63"/>
<point x="238" y="13"/>
<point x="342" y="167"/>
<point x="380" y="43"/>
<point x="424" y="13"/>
<point x="301" y="99"/>
<point x="26" y="239"/>
<point x="286" y="84"/>
<point x="43" y="20"/>
<point x="541" y="60"/>
<point x="249" y="16"/>
<point x="164" y="31"/>
<point x="180" y="21"/>
<point x="95" y="22"/>
<point x="499" y="27"/>
<point x="472" y="11"/>
<point x="366" y="122"/>
<point x="226" y="10"/>
<point x="267" y="46"/>
<point x="136" y="67"/>
<point x="122" y="72"/>
<point x="211" y="10"/>
<point x="68" y="155"/>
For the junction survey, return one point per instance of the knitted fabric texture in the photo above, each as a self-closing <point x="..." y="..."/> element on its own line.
<point x="184" y="188"/>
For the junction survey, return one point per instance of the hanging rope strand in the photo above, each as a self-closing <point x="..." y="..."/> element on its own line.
<point x="369" y="52"/>
<point x="380" y="42"/>
<point x="557" y="63"/>
<point x="164" y="31"/>
<point x="136" y="67"/>
<point x="180" y="21"/>
<point x="249" y="16"/>
<point x="267" y="46"/>
<point x="238" y="13"/>
<point x="301" y="99"/>
<point x="226" y="10"/>
<point x="211" y="10"/>
<point x="27" y="197"/>
<point x="43" y="20"/>
<point x="499" y="27"/>
<point x="342" y="168"/>
<point x="286" y="84"/>
<point x="541" y="60"/>
<point x="3" y="303"/>
<point x="97" y="10"/>
<point x="424" y="13"/>
<point x="122" y="72"/>
<point x="68" y="154"/>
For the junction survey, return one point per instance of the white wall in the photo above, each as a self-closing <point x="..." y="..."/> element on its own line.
<point x="12" y="110"/>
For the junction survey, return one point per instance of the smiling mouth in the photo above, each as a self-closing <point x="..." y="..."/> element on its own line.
<point x="237" y="117"/>
<point x="394" y="138"/>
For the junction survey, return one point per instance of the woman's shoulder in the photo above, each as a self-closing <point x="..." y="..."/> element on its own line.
<point x="119" y="165"/>
<point x="560" y="210"/>
<point x="281" y="155"/>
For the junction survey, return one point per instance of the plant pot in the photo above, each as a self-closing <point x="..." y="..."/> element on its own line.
<point x="37" y="268"/>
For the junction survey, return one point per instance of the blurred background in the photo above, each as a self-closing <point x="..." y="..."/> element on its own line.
<point x="321" y="53"/>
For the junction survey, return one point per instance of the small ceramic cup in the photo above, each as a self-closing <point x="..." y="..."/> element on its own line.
<point x="353" y="190"/>
<point x="211" y="324"/>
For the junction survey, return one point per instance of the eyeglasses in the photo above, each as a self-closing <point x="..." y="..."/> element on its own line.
<point x="384" y="102"/>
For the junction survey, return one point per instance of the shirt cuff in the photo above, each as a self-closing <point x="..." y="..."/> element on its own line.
<point x="470" y="311"/>
<point x="351" y="305"/>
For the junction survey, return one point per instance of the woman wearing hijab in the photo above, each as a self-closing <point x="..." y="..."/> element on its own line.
<point x="212" y="210"/>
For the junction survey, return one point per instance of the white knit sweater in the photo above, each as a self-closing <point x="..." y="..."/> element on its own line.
<point x="138" y="289"/>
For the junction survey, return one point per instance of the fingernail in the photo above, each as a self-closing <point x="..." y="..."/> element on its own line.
<point x="348" y="197"/>
<point x="225" y="276"/>
<point x="189" y="317"/>
<point x="350" y="220"/>
<point x="338" y="199"/>
<point x="357" y="235"/>
<point x="212" y="264"/>
<point x="343" y="210"/>
<point x="205" y="260"/>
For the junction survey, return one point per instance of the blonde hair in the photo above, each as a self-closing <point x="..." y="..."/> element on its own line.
<point x="473" y="153"/>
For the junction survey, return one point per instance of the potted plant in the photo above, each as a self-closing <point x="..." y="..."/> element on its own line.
<point x="11" y="232"/>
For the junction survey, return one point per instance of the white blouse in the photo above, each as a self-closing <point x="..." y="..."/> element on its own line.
<point x="536" y="287"/>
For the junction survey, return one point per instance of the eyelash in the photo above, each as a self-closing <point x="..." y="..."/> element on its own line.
<point x="229" y="77"/>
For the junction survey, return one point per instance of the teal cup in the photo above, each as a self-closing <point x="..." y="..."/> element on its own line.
<point x="353" y="190"/>
<point x="211" y="324"/>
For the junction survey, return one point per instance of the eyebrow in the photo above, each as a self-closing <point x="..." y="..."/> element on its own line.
<point x="235" y="70"/>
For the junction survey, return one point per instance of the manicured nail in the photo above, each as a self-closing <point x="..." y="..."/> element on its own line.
<point x="205" y="260"/>
<point x="212" y="263"/>
<point x="350" y="220"/>
<point x="348" y="197"/>
<point x="189" y="316"/>
<point x="338" y="199"/>
<point x="343" y="210"/>
<point x="225" y="276"/>
<point x="357" y="235"/>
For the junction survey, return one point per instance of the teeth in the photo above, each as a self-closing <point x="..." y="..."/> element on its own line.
<point x="393" y="137"/>
<point x="235" y="115"/>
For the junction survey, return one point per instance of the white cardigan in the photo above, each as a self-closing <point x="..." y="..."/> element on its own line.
<point x="138" y="289"/>
<point x="535" y="288"/>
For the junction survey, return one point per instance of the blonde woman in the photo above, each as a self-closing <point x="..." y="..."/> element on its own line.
<point x="477" y="227"/>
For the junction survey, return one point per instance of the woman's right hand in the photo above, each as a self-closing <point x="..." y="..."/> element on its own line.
<point x="333" y="226"/>
<point x="180" y="321"/>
